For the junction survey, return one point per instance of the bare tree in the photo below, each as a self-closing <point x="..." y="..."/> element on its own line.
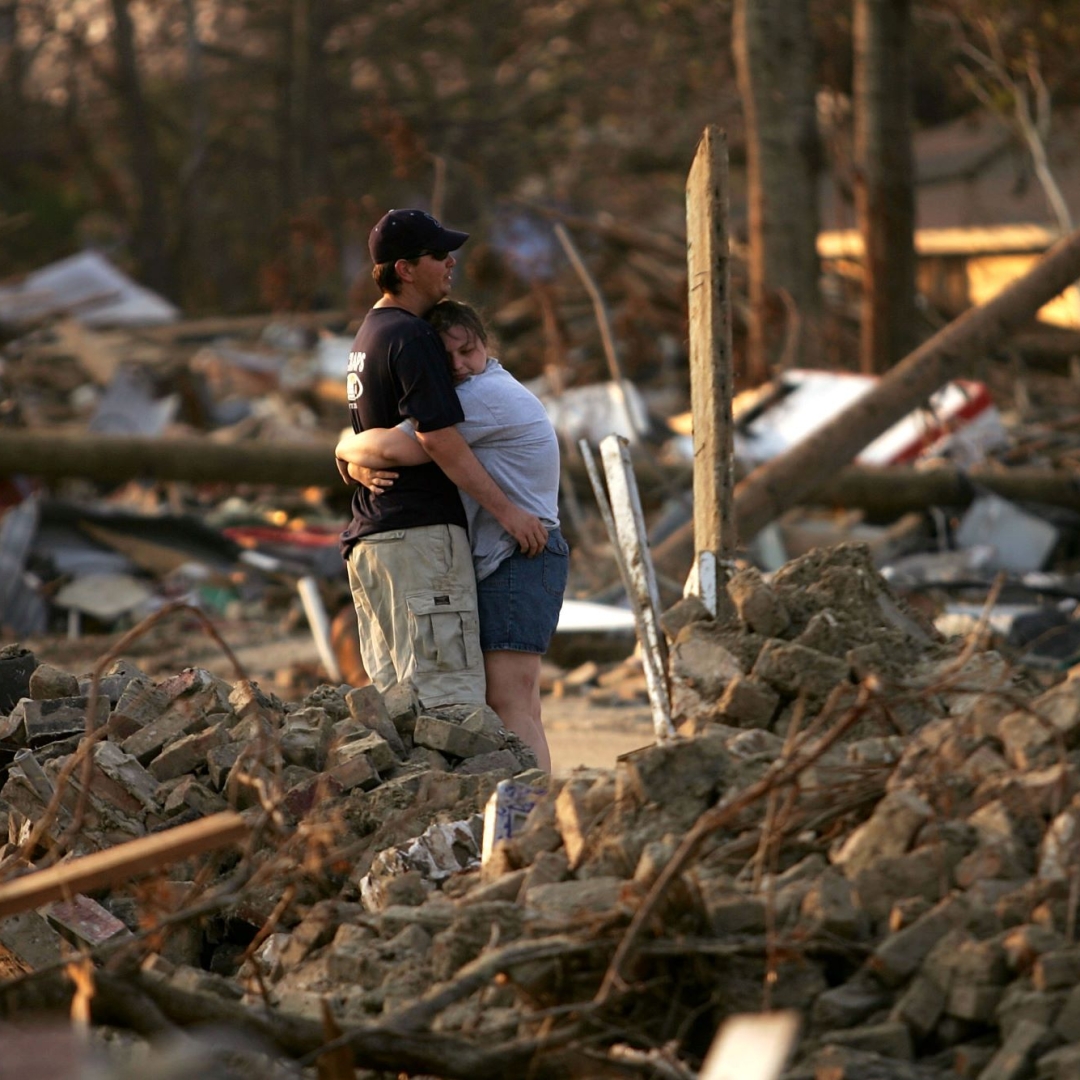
<point x="773" y="48"/>
<point x="884" y="180"/>
<point x="150" y="245"/>
<point x="1032" y="128"/>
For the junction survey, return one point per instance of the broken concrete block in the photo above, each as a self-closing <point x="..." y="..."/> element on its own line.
<point x="368" y="744"/>
<point x="898" y="956"/>
<point x="403" y="707"/>
<point x="1041" y="793"/>
<point x="55" y="718"/>
<point x="1060" y="847"/>
<point x="50" y="682"/>
<point x="186" y="754"/>
<point x="355" y="771"/>
<point x="683" y="776"/>
<point x="1066" y="1023"/>
<point x="304" y="794"/>
<point x="140" y="704"/>
<point x="150" y="740"/>
<point x="1021" y="1001"/>
<point x="748" y="702"/>
<point x="367" y="707"/>
<point x="190" y="794"/>
<point x="654" y="857"/>
<point x="31" y="940"/>
<point x="890" y="1039"/>
<point x="759" y="608"/>
<point x="84" y="922"/>
<point x="1023" y="945"/>
<point x="498" y="761"/>
<point x="248" y="701"/>
<point x="728" y="909"/>
<point x="575" y="814"/>
<point x="850" y="1003"/>
<point x="921" y="1005"/>
<point x="112" y="684"/>
<point x="683" y="612"/>
<point x="830" y="907"/>
<point x="889" y="831"/>
<point x="699" y="668"/>
<point x="795" y="671"/>
<point x="571" y="901"/>
<point x="548" y="868"/>
<point x="126" y="771"/>
<point x="1014" y="1059"/>
<point x="1062" y="1063"/>
<point x="1057" y="969"/>
<point x="352" y="957"/>
<point x="453" y="739"/>
<point x="823" y="634"/>
<point x="924" y="874"/>
<point x="973" y="1001"/>
<point x="220" y="761"/>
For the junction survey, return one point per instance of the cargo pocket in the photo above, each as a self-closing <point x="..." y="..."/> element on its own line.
<point x="445" y="631"/>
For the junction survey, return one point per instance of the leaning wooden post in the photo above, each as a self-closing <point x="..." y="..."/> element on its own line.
<point x="709" y="280"/>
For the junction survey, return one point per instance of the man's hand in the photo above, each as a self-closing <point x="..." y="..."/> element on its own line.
<point x="375" y="480"/>
<point x="343" y="470"/>
<point x="527" y="529"/>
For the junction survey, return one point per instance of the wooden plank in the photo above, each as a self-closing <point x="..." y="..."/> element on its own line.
<point x="711" y="381"/>
<point x="640" y="578"/>
<point x="120" y="863"/>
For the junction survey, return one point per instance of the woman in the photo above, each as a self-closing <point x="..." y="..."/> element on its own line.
<point x="509" y="431"/>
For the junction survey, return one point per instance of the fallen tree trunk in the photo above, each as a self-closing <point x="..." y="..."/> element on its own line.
<point x="115" y="459"/>
<point x="886" y="493"/>
<point x="783" y="482"/>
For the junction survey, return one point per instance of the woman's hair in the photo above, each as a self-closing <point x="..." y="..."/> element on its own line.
<point x="447" y="314"/>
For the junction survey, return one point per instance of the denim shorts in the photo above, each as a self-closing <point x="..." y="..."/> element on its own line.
<point x="520" y="602"/>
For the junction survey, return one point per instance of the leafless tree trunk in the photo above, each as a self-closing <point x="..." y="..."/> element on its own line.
<point x="149" y="233"/>
<point x="884" y="180"/>
<point x="773" y="48"/>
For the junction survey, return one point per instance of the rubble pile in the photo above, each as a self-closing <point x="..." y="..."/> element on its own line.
<point x="860" y="820"/>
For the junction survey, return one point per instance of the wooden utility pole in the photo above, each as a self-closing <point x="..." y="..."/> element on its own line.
<point x="709" y="279"/>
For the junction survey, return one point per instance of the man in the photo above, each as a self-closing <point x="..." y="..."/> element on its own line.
<point x="407" y="551"/>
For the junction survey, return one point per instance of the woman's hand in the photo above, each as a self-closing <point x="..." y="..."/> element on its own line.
<point x="375" y="480"/>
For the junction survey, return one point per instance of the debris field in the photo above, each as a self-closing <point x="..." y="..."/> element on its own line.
<point x="860" y="820"/>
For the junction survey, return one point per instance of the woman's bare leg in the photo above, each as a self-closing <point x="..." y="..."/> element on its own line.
<point x="513" y="691"/>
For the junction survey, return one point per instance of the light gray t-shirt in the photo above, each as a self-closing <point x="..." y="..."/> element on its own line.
<point x="512" y="437"/>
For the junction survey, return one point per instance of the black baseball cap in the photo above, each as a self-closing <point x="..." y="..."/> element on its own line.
<point x="404" y="234"/>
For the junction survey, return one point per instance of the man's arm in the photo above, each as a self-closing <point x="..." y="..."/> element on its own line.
<point x="453" y="455"/>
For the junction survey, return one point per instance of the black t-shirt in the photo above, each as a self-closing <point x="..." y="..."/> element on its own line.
<point x="398" y="370"/>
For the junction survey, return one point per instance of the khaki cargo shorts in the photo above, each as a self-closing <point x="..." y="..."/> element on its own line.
<point x="415" y="597"/>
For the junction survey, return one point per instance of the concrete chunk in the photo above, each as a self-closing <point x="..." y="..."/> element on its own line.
<point x="188" y="753"/>
<point x="50" y="682"/>
<point x="1015" y="1058"/>
<point x="150" y="740"/>
<point x="890" y="830"/>
<point x="900" y="955"/>
<point x="31" y="940"/>
<point x="891" y="1039"/>
<point x="366" y="706"/>
<point x="453" y="739"/>
<point x="760" y="609"/>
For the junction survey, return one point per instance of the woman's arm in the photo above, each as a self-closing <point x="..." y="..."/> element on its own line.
<point x="378" y="448"/>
